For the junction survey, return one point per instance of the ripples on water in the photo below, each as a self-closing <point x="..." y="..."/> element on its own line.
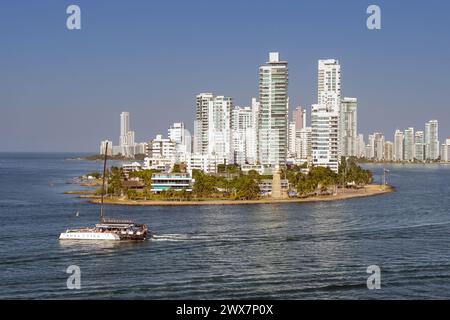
<point x="299" y="251"/>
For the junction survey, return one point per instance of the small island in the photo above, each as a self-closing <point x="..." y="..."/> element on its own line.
<point x="231" y="186"/>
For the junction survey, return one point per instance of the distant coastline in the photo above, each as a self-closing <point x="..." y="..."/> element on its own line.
<point x="366" y="191"/>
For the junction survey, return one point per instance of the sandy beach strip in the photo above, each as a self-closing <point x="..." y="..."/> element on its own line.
<point x="367" y="191"/>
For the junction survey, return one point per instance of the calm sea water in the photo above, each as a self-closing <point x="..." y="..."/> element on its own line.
<point x="292" y="251"/>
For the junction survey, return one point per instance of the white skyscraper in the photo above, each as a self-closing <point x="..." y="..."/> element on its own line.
<point x="445" y="151"/>
<point x="103" y="147"/>
<point x="304" y="143"/>
<point x="408" y="145"/>
<point x="219" y="128"/>
<point x="398" y="145"/>
<point x="201" y="123"/>
<point x="325" y="136"/>
<point x="378" y="146"/>
<point x="126" y="139"/>
<point x="329" y="78"/>
<point x="432" y="140"/>
<point x="349" y="129"/>
<point x="243" y="135"/>
<point x="273" y="112"/>
<point x="361" y="146"/>
<point x="325" y="116"/>
<point x="182" y="137"/>
<point x="292" y="136"/>
<point x="419" y="146"/>
<point x="388" y="151"/>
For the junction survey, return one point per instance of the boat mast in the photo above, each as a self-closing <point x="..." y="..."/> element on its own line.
<point x="103" y="184"/>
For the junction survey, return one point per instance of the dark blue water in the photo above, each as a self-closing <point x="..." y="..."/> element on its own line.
<point x="299" y="251"/>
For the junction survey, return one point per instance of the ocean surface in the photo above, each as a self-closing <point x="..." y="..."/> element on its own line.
<point x="280" y="251"/>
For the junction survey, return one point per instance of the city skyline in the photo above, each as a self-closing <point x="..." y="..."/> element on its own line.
<point x="76" y="85"/>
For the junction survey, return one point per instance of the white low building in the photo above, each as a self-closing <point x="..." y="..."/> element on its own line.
<point x="171" y="181"/>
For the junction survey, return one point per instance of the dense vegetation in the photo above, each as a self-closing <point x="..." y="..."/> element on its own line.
<point x="231" y="183"/>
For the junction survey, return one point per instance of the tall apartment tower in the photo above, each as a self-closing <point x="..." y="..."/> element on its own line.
<point x="273" y="113"/>
<point x="409" y="151"/>
<point x="329" y="78"/>
<point x="419" y="146"/>
<point x="325" y="115"/>
<point x="219" y="128"/>
<point x="432" y="140"/>
<point x="348" y="128"/>
<point x="299" y="118"/>
<point x="201" y="123"/>
<point x="398" y="146"/>
<point x="126" y="139"/>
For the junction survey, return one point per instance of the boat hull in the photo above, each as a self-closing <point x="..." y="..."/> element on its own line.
<point x="89" y="236"/>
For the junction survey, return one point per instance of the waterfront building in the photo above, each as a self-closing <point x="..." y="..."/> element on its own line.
<point x="292" y="136"/>
<point x="398" y="145"/>
<point x="325" y="135"/>
<point x="409" y="145"/>
<point x="243" y="135"/>
<point x="127" y="168"/>
<point x="273" y="112"/>
<point x="419" y="146"/>
<point x="389" y="151"/>
<point x="219" y="128"/>
<point x="432" y="140"/>
<point x="370" y="153"/>
<point x="126" y="139"/>
<point x="379" y="146"/>
<point x="171" y="181"/>
<point x="329" y="78"/>
<point x="348" y="127"/>
<point x="325" y="116"/>
<point x="162" y="148"/>
<point x="201" y="123"/>
<point x="299" y="118"/>
<point x="361" y="146"/>
<point x="304" y="143"/>
<point x="181" y="136"/>
<point x="445" y="151"/>
<point x="207" y="163"/>
<point x="103" y="147"/>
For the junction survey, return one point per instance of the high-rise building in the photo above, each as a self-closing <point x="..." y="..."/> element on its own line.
<point x="303" y="143"/>
<point x="201" y="123"/>
<point x="379" y="146"/>
<point x="329" y="78"/>
<point x="325" y="136"/>
<point x="445" y="151"/>
<point x="126" y="139"/>
<point x="388" y="151"/>
<point x="273" y="112"/>
<point x="103" y="147"/>
<point x="183" y="141"/>
<point x="432" y="140"/>
<point x="409" y="145"/>
<point x="243" y="135"/>
<point x="348" y="127"/>
<point x="292" y="136"/>
<point x="219" y="128"/>
<point x="361" y="146"/>
<point x="299" y="118"/>
<point x="325" y="123"/>
<point x="398" y="145"/>
<point x="419" y="146"/>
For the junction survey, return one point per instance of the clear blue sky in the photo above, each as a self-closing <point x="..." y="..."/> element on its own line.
<point x="63" y="90"/>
